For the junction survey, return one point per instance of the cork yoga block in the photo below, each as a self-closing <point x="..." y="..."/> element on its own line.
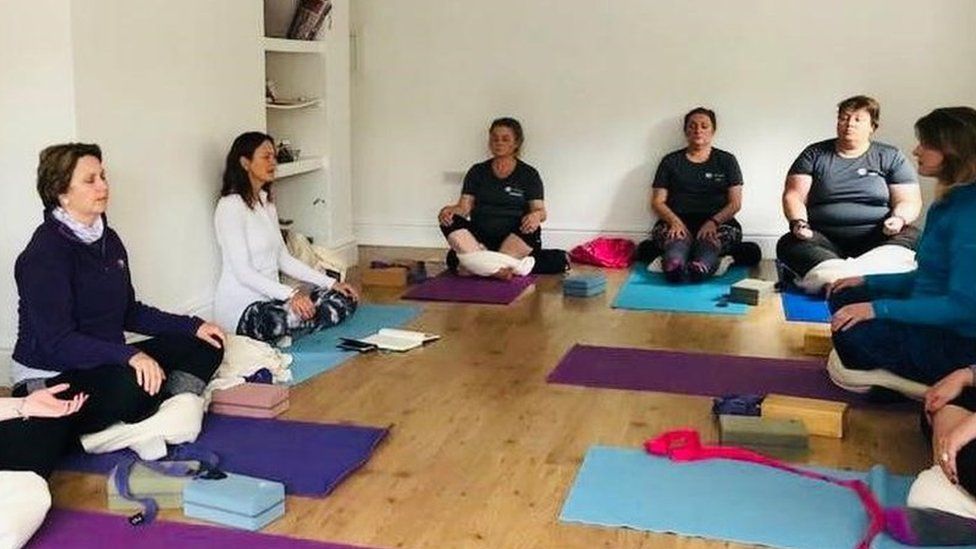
<point x="385" y="276"/>
<point x="821" y="417"/>
<point x="817" y="342"/>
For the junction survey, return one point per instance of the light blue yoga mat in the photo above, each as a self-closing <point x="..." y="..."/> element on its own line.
<point x="799" y="307"/>
<point x="725" y="500"/>
<point x="648" y="291"/>
<point x="316" y="353"/>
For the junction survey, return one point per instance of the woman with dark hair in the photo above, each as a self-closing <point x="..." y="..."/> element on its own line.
<point x="697" y="191"/>
<point x="250" y="298"/>
<point x="501" y="210"/>
<point x="77" y="302"/>
<point x="918" y="325"/>
<point x="850" y="203"/>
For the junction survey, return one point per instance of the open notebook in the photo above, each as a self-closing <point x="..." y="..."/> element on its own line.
<point x="389" y="339"/>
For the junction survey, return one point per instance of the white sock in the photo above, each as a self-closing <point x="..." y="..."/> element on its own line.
<point x="724" y="263"/>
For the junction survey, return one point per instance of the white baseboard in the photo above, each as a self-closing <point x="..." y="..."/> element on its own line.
<point x="426" y="235"/>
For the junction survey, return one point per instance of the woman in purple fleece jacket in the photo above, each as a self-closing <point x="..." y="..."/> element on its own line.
<point x="77" y="300"/>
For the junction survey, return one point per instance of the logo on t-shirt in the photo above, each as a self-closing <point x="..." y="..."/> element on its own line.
<point x="514" y="191"/>
<point x="718" y="177"/>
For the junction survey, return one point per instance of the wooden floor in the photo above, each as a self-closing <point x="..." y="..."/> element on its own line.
<point x="482" y="451"/>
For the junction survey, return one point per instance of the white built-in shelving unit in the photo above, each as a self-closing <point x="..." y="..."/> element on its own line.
<point x="312" y="112"/>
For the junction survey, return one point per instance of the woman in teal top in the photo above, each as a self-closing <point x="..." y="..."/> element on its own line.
<point x="921" y="325"/>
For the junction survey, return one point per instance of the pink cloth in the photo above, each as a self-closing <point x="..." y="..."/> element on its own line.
<point x="685" y="445"/>
<point x="616" y="253"/>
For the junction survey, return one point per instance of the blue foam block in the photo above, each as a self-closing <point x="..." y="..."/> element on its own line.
<point x="236" y="500"/>
<point x="726" y="500"/>
<point x="800" y="307"/>
<point x="317" y="353"/>
<point x="581" y="282"/>
<point x="650" y="291"/>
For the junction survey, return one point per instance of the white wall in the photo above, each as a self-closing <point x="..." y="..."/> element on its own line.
<point x="600" y="88"/>
<point x="36" y="109"/>
<point x="163" y="86"/>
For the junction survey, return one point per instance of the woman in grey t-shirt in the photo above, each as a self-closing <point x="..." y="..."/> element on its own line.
<point x="845" y="197"/>
<point x="697" y="191"/>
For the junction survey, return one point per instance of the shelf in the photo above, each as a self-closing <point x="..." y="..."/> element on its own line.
<point x="284" y="45"/>
<point x="301" y="166"/>
<point x="294" y="106"/>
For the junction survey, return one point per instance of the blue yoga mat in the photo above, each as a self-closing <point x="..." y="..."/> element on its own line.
<point x="726" y="500"/>
<point x="316" y="353"/>
<point x="648" y="291"/>
<point x="799" y="307"/>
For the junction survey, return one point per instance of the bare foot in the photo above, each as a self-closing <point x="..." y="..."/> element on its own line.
<point x="461" y="271"/>
<point x="505" y="273"/>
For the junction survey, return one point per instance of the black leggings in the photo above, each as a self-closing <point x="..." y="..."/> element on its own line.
<point x="548" y="261"/>
<point x="36" y="444"/>
<point x="966" y="456"/>
<point x="802" y="255"/>
<point x="113" y="396"/>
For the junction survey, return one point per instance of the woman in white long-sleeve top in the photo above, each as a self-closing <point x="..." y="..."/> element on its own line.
<point x="250" y="298"/>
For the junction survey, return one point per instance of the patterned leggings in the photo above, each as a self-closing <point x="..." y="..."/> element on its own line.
<point x="272" y="320"/>
<point x="688" y="256"/>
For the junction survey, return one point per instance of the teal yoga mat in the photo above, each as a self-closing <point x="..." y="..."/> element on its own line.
<point x="725" y="500"/>
<point x="316" y="353"/>
<point x="648" y="291"/>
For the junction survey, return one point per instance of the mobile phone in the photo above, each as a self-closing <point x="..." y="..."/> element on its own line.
<point x="350" y="344"/>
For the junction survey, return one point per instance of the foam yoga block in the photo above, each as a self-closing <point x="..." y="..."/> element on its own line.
<point x="251" y="400"/>
<point x="753" y="431"/>
<point x="585" y="285"/>
<point x="144" y="482"/>
<point x="750" y="291"/>
<point x="817" y="342"/>
<point x="821" y="417"/>
<point x="237" y="500"/>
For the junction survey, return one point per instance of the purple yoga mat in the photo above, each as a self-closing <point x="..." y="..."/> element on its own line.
<point x="82" y="529"/>
<point x="310" y="459"/>
<point x="695" y="373"/>
<point x="469" y="289"/>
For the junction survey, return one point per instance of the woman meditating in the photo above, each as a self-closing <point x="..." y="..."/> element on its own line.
<point x="250" y="298"/>
<point x="850" y="203"/>
<point x="697" y="191"/>
<point x="77" y="302"/>
<point x="494" y="229"/>
<point x="918" y="326"/>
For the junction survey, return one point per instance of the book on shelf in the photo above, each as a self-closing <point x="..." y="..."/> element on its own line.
<point x="388" y="339"/>
<point x="308" y="19"/>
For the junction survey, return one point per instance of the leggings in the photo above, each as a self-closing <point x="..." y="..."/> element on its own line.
<point x="689" y="256"/>
<point x="913" y="351"/>
<point x="802" y="255"/>
<point x="114" y="395"/>
<point x="547" y="261"/>
<point x="271" y="320"/>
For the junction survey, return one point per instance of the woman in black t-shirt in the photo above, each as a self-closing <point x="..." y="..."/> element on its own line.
<point x="501" y="209"/>
<point x="696" y="193"/>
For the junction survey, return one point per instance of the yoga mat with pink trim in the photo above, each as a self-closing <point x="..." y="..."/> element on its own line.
<point x="695" y="373"/>
<point x="469" y="289"/>
<point x="84" y="530"/>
